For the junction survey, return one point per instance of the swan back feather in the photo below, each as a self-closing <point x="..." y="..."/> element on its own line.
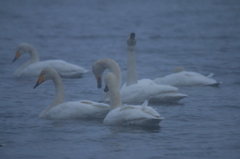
<point x="186" y="78"/>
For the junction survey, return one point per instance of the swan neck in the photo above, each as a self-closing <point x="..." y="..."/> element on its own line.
<point x="59" y="95"/>
<point x="114" y="93"/>
<point x="115" y="99"/>
<point x="33" y="55"/>
<point x="131" y="66"/>
<point x="59" y="89"/>
<point x="33" y="58"/>
<point x="115" y="69"/>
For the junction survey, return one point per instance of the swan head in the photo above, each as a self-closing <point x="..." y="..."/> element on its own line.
<point x="111" y="82"/>
<point x="98" y="69"/>
<point x="101" y="65"/>
<point x="21" y="49"/>
<point x="131" y="40"/>
<point x="46" y="74"/>
<point x="132" y="36"/>
<point x="106" y="89"/>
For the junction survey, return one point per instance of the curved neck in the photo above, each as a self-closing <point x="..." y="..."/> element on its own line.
<point x="115" y="69"/>
<point x="115" y="98"/>
<point x="33" y="55"/>
<point x="33" y="58"/>
<point x="59" y="95"/>
<point x="131" y="66"/>
<point x="114" y="93"/>
<point x="59" y="89"/>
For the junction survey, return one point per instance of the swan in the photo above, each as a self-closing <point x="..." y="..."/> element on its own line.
<point x="122" y="115"/>
<point x="187" y="78"/>
<point x="33" y="66"/>
<point x="136" y="91"/>
<point x="59" y="109"/>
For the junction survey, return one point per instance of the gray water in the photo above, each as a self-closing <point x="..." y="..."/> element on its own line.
<point x="201" y="36"/>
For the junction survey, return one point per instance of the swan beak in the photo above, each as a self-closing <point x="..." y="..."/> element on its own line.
<point x="132" y="36"/>
<point x="106" y="89"/>
<point x="99" y="82"/>
<point x="16" y="56"/>
<point x="40" y="80"/>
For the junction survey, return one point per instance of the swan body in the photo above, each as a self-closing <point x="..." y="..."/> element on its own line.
<point x="77" y="110"/>
<point x="128" y="115"/>
<point x="65" y="69"/>
<point x="59" y="109"/>
<point x="171" y="97"/>
<point x="146" y="89"/>
<point x="137" y="91"/>
<point x="187" y="78"/>
<point x="33" y="66"/>
<point x="137" y="115"/>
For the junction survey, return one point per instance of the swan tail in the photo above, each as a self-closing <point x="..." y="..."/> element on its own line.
<point x="145" y="103"/>
<point x="210" y="75"/>
<point x="215" y="84"/>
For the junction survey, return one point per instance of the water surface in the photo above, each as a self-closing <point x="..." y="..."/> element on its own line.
<point x="200" y="36"/>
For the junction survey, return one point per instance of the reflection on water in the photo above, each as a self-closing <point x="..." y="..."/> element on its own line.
<point x="135" y="129"/>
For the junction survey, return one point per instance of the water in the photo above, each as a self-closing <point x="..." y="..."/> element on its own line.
<point x="201" y="36"/>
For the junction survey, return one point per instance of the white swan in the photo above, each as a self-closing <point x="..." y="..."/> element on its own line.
<point x="33" y="66"/>
<point x="187" y="78"/>
<point x="136" y="91"/>
<point x="59" y="109"/>
<point x="122" y="114"/>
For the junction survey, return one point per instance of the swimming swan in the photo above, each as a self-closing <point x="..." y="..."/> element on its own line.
<point x="33" y="66"/>
<point x="142" y="115"/>
<point x="137" y="91"/>
<point x="59" y="109"/>
<point x="187" y="78"/>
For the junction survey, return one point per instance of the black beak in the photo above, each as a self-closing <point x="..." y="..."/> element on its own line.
<point x="37" y="84"/>
<point x="15" y="58"/>
<point x="99" y="82"/>
<point x="106" y="89"/>
<point x="132" y="36"/>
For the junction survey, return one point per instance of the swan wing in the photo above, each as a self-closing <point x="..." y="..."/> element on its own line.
<point x="78" y="109"/>
<point x="171" y="97"/>
<point x="186" y="78"/>
<point x="65" y="69"/>
<point x="132" y="115"/>
<point x="144" y="90"/>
